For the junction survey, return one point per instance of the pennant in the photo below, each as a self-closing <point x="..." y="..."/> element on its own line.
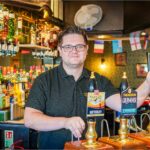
<point x="99" y="46"/>
<point x="135" y="41"/>
<point x="146" y="40"/>
<point x="117" y="46"/>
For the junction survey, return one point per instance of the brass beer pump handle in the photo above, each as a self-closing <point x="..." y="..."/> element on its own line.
<point x="102" y="127"/>
<point x="123" y="131"/>
<point x="91" y="135"/>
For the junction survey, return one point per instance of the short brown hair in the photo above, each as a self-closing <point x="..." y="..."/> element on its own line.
<point x="71" y="30"/>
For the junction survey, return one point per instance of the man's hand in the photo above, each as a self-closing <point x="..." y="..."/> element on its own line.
<point x="76" y="125"/>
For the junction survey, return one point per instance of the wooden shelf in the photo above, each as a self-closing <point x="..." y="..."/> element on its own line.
<point x="31" y="46"/>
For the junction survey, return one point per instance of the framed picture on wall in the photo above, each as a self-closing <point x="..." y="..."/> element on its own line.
<point x="148" y="60"/>
<point x="121" y="59"/>
<point x="141" y="70"/>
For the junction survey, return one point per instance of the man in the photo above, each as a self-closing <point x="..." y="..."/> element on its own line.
<point x="57" y="104"/>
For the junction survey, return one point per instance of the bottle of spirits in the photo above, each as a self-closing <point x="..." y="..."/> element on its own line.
<point x="5" y="19"/>
<point x="19" y="31"/>
<point x="1" y="18"/>
<point x="22" y="95"/>
<point x="11" y="26"/>
<point x="1" y="75"/>
<point x="32" y="36"/>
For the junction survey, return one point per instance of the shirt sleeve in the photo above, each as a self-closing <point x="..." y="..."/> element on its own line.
<point x="37" y="95"/>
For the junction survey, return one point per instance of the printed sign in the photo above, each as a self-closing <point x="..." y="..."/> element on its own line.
<point x="9" y="138"/>
<point x="129" y="102"/>
<point x="95" y="103"/>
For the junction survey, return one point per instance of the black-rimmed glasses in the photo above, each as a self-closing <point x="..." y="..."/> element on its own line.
<point x="70" y="48"/>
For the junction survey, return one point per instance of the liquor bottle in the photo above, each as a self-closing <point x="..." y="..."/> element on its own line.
<point x="11" y="26"/>
<point x="22" y="95"/>
<point x="19" y="33"/>
<point x="1" y="18"/>
<point x="19" y="25"/>
<point x="32" y="36"/>
<point x="1" y="75"/>
<point x="2" y="98"/>
<point x="5" y="19"/>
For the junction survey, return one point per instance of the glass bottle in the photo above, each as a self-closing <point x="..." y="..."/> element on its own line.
<point x="1" y="75"/>
<point x="22" y="95"/>
<point x="1" y="18"/>
<point x="5" y="20"/>
<point x="11" y="27"/>
<point x="32" y="36"/>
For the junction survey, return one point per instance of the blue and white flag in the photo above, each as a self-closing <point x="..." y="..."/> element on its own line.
<point x="99" y="46"/>
<point x="117" y="46"/>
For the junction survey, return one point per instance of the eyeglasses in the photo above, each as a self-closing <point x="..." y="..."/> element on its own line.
<point x="69" y="48"/>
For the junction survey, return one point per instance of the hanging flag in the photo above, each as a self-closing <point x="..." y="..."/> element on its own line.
<point x="99" y="46"/>
<point x="146" y="37"/>
<point x="135" y="41"/>
<point x="117" y="46"/>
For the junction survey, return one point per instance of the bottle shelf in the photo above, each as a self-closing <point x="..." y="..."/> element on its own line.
<point x="31" y="46"/>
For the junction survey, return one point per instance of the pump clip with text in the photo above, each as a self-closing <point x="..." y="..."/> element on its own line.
<point x="129" y="102"/>
<point x="95" y="103"/>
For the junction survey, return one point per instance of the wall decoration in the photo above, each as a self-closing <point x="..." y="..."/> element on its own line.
<point x="121" y="59"/>
<point x="141" y="70"/>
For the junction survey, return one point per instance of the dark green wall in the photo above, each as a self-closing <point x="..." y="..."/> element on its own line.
<point x="113" y="72"/>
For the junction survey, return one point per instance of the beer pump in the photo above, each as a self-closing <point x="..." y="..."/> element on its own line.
<point x="143" y="135"/>
<point x="95" y="108"/>
<point x="128" y="109"/>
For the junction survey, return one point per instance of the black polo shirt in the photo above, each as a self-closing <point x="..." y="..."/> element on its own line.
<point x="57" y="94"/>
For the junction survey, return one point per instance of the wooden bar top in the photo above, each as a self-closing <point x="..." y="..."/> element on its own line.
<point x="145" y="137"/>
<point x="77" y="145"/>
<point x="128" y="144"/>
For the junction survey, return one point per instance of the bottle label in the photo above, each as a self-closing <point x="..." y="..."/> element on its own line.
<point x="129" y="102"/>
<point x="95" y="103"/>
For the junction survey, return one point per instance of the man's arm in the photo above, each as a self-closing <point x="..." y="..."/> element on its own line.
<point x="35" y="119"/>
<point x="114" y="102"/>
<point x="143" y="90"/>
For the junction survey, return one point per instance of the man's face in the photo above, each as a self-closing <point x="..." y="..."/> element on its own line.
<point x="73" y="50"/>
